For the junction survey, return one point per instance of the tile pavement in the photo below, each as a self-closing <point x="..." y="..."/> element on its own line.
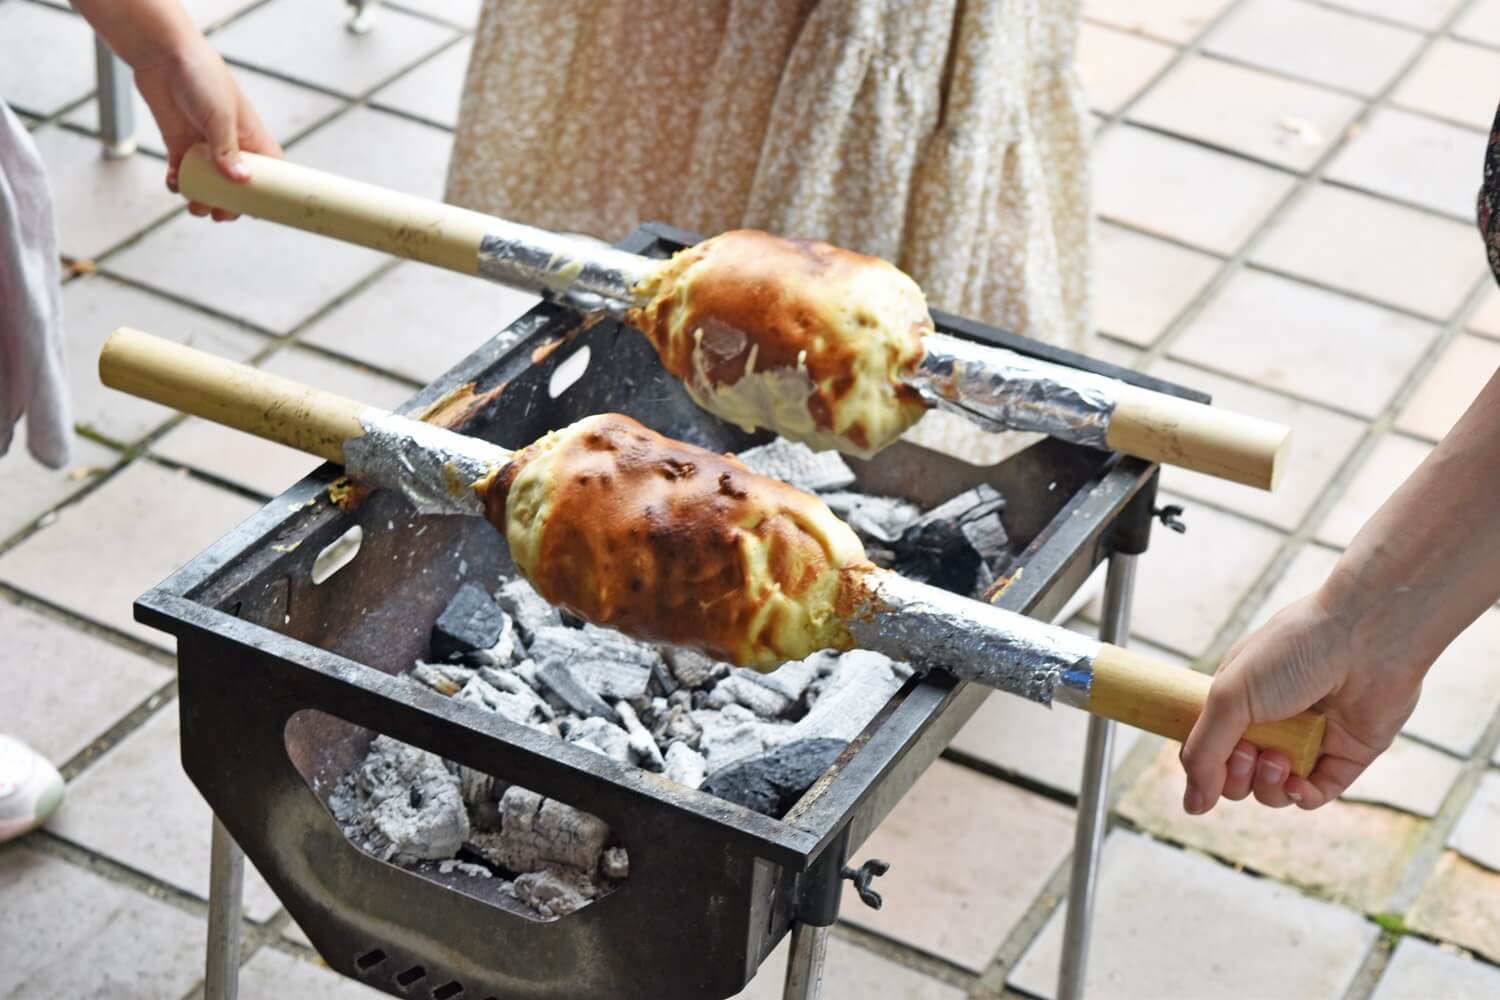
<point x="1340" y="326"/>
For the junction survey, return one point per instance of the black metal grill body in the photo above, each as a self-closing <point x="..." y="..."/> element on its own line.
<point x="283" y="683"/>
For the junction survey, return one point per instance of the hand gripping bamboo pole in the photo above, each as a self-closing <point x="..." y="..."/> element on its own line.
<point x="931" y="628"/>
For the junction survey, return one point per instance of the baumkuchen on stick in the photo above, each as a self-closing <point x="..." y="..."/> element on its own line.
<point x="820" y="344"/>
<point x="668" y="541"/>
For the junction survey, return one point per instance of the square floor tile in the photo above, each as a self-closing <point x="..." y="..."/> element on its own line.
<point x="413" y="157"/>
<point x="1389" y="463"/>
<point x="1454" y="81"/>
<point x="1466" y="365"/>
<point x="61" y="687"/>
<point x="957" y="883"/>
<point x="1247" y="111"/>
<point x="851" y="973"/>
<point x="1116" y="65"/>
<point x="1312" y="343"/>
<point x="1303" y="575"/>
<point x="1460" y="902"/>
<point x="1321" y="441"/>
<point x="1352" y="853"/>
<point x="266" y="274"/>
<point x="464" y="13"/>
<point x="67" y="932"/>
<point x="1407" y="776"/>
<point x="418" y="321"/>
<point x="31" y="489"/>
<point x="1420" y="971"/>
<point x="1415" y="159"/>
<point x="1462" y="690"/>
<point x="285" y="108"/>
<point x="1172" y="924"/>
<point x="1480" y="23"/>
<point x="1389" y="253"/>
<point x="1314" y="43"/>
<point x="1180" y="190"/>
<point x="99" y="202"/>
<point x="275" y="975"/>
<point x="44" y="86"/>
<point x="1188" y="585"/>
<point x="1417" y="13"/>
<point x="1141" y="284"/>
<point x="432" y="90"/>
<point x="1116" y="353"/>
<point x="1172" y="20"/>
<point x="261" y="465"/>
<point x="309" y="42"/>
<point x="1477" y="834"/>
<point x="121" y="540"/>
<point x="95" y="307"/>
<point x="1486" y="318"/>
<point x="207" y="13"/>
<point x="136" y="806"/>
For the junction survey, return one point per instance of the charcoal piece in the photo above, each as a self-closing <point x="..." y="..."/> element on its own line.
<point x="444" y="678"/>
<point x="676" y="725"/>
<point x="692" y="668"/>
<point x="476" y="787"/>
<point x="472" y="621"/>
<point x="662" y="681"/>
<point x="740" y="687"/>
<point x="790" y="680"/>
<point x="402" y="803"/>
<point x="555" y="892"/>
<point x="771" y="782"/>
<point x="558" y="678"/>
<point x="795" y="463"/>
<point x="685" y="765"/>
<point x="643" y="749"/>
<point x="501" y="653"/>
<point x="878" y="519"/>
<point x="537" y="831"/>
<point x="599" y="735"/>
<point x="526" y="607"/>
<point x="948" y="546"/>
<point x="615" y="863"/>
<point x="732" y="733"/>
<point x="523" y="707"/>
<point x="605" y="662"/>
<point x="858" y="689"/>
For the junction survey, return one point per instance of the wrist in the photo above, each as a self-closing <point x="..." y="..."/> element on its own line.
<point x="1378" y="620"/>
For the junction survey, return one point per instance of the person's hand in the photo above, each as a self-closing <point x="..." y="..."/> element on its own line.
<point x="1304" y="657"/>
<point x="194" y="99"/>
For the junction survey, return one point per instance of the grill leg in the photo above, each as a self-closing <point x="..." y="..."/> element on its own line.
<point x="804" y="965"/>
<point x="116" y="102"/>
<point x="1093" y="796"/>
<point x="226" y="885"/>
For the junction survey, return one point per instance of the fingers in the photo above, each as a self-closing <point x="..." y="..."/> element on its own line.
<point x="1271" y="773"/>
<point x="1241" y="771"/>
<point x="1328" y="780"/>
<point x="1206" y="753"/>
<point x="221" y="131"/>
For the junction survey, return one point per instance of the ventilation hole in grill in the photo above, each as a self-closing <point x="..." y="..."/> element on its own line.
<point x="447" y="991"/>
<point x="369" y="960"/>
<point x="570" y="371"/>
<point x="339" y="553"/>
<point x="412" y="975"/>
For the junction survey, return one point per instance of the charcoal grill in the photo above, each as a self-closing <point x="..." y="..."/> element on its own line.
<point x="283" y="682"/>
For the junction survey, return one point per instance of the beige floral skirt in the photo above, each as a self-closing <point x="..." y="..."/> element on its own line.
<point x="948" y="136"/>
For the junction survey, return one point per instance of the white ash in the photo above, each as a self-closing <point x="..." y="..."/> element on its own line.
<point x="464" y="867"/>
<point x="402" y="804"/>
<point x="528" y="609"/>
<point x="800" y="466"/>
<point x="536" y="831"/>
<point x="598" y="735"/>
<point x="856" y="691"/>
<point x="685" y="765"/>
<point x="731" y="733"/>
<point x="739" y="689"/>
<point x="615" y="863"/>
<point x="554" y="891"/>
<point x="444" y="678"/>
<point x="568" y="693"/>
<point x="523" y="707"/>
<point x="608" y="664"/>
<point x="693" y="669"/>
<point x="643" y="749"/>
<point x="501" y="653"/>
<point x="882" y="519"/>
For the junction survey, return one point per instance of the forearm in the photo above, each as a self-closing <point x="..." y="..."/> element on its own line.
<point x="144" y="33"/>
<point x="1428" y="563"/>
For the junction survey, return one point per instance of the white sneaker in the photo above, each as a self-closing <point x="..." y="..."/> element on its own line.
<point x="30" y="789"/>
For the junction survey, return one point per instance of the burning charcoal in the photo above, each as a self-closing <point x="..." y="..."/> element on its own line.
<point x="403" y="804"/>
<point x="601" y="736"/>
<point x="947" y="545"/>
<point x="692" y="668"/>
<point x="464" y="868"/>
<point x="555" y="892"/>
<point x="685" y="765"/>
<point x="528" y="608"/>
<point x="537" y="831"/>
<point x="643" y="749"/>
<point x="733" y="733"/>
<point x="771" y="782"/>
<point x="676" y="725"/>
<point x="558" y="678"/>
<point x="444" y="678"/>
<point x="797" y="464"/>
<point x="790" y="680"/>
<point x="471" y="622"/>
<point x="501" y="653"/>
<point x="605" y="662"/>
<point x="738" y="688"/>
<point x="880" y="519"/>
<point x="662" y="681"/>
<point x="615" y="864"/>
<point x="863" y="684"/>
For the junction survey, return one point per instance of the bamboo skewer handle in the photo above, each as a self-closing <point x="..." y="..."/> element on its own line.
<point x="1176" y="431"/>
<point x="1146" y="693"/>
<point x="232" y="394"/>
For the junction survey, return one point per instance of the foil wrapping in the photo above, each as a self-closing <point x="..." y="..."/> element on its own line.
<point x="932" y="628"/>
<point x="535" y="259"/>
<point x="434" y="468"/>
<point x="1001" y="390"/>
